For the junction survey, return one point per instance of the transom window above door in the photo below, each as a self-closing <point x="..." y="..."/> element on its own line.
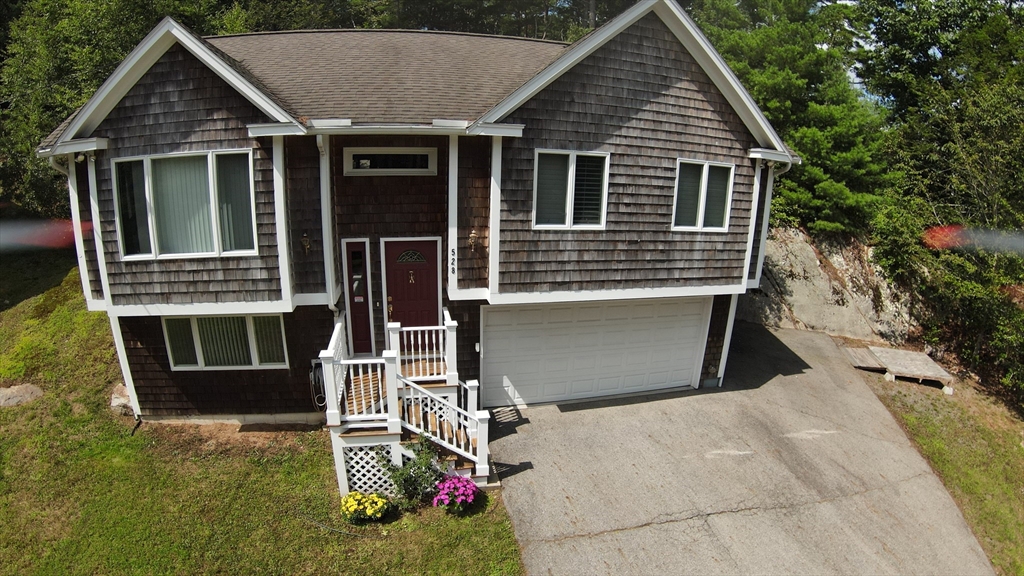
<point x="388" y="161"/>
<point x="185" y="205"/>
<point x="570" y="190"/>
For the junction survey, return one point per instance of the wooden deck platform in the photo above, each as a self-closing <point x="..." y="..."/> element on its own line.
<point x="898" y="364"/>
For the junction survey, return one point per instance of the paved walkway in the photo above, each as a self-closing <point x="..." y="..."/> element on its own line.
<point x="793" y="467"/>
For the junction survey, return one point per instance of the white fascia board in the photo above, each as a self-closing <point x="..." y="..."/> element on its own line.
<point x="711" y="61"/>
<point x="753" y="284"/>
<point x="315" y="299"/>
<point x="774" y="155"/>
<point x="74" y="147"/>
<point x="142" y="57"/>
<point x="626" y="294"/>
<point x="491" y="129"/>
<point x="442" y="123"/>
<point x="202" y="309"/>
<point x="414" y="129"/>
<point x="573" y="56"/>
<point x="469" y="294"/>
<point x="330" y="123"/>
<point x="276" y="129"/>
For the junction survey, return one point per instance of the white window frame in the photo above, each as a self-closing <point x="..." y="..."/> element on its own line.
<point x="702" y="202"/>
<point x="214" y="205"/>
<point x="430" y="170"/>
<point x="570" y="189"/>
<point x="251" y="332"/>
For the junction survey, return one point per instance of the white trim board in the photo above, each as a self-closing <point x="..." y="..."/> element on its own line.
<point x="141" y="59"/>
<point x="327" y="219"/>
<point x="624" y="294"/>
<point x="753" y="219"/>
<point x="202" y="309"/>
<point x="494" y="225"/>
<point x="122" y="357"/>
<point x="281" y="221"/>
<point x="692" y="39"/>
<point x="101" y="255"/>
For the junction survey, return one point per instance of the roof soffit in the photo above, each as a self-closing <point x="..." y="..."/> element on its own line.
<point x="142" y="58"/>
<point x="693" y="41"/>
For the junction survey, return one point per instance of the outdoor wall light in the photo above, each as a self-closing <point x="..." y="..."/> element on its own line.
<point x="472" y="240"/>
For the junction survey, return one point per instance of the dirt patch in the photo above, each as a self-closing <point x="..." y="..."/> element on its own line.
<point x="228" y="439"/>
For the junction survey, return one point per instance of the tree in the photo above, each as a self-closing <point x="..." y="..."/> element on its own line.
<point x="951" y="72"/>
<point x="793" y="58"/>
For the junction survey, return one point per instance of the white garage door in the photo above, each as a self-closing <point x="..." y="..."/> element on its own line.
<point x="555" y="352"/>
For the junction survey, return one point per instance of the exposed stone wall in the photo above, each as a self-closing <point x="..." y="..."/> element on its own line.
<point x="829" y="287"/>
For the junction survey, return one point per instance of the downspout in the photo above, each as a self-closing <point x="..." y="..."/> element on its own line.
<point x="56" y="166"/>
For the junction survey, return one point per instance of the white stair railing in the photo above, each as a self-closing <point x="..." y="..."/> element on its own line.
<point x="461" y="431"/>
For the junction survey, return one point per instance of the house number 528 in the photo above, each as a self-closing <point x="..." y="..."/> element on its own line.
<point x="453" y="260"/>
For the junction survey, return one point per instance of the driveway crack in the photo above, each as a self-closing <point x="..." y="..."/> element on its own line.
<point x="675" y="518"/>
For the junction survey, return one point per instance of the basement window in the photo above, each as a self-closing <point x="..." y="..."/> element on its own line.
<point x="570" y="190"/>
<point x="703" y="195"/>
<point x="390" y="161"/>
<point x="225" y="342"/>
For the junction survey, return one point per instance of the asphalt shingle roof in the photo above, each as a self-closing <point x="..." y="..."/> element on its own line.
<point x="388" y="76"/>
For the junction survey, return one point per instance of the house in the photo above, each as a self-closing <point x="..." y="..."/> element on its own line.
<point x="460" y="221"/>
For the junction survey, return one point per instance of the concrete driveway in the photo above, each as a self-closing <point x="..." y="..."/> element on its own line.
<point x="794" y="466"/>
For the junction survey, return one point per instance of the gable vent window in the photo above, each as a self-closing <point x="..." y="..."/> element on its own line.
<point x="703" y="194"/>
<point x="225" y="342"/>
<point x="570" y="190"/>
<point x="186" y="205"/>
<point x="390" y="161"/>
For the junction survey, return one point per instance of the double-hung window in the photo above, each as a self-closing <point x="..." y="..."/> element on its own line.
<point x="570" y="189"/>
<point x="703" y="194"/>
<point x="186" y="205"/>
<point x="225" y="342"/>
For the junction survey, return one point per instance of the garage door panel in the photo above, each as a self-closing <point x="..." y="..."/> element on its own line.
<point x="560" y="352"/>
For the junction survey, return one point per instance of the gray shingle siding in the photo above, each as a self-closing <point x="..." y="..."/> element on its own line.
<point x="667" y="108"/>
<point x="180" y="105"/>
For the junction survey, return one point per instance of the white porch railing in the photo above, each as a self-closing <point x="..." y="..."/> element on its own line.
<point x="426" y="353"/>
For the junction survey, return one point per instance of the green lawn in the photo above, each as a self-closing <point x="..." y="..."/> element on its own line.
<point x="79" y="494"/>
<point x="976" y="446"/>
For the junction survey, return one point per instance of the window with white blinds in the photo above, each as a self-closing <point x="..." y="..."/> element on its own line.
<point x="570" y="189"/>
<point x="190" y="204"/>
<point x="703" y="194"/>
<point x="225" y="342"/>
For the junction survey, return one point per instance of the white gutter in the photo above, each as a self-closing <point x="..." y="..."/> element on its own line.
<point x="58" y="167"/>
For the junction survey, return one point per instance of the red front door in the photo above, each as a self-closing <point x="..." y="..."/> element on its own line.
<point x="412" y="278"/>
<point x="356" y="266"/>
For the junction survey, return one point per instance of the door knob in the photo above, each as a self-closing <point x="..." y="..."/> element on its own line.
<point x="389" y="311"/>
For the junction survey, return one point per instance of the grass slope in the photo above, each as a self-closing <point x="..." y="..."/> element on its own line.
<point x="976" y="445"/>
<point x="79" y="494"/>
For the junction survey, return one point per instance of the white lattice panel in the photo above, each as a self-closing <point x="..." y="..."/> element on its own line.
<point x="364" y="471"/>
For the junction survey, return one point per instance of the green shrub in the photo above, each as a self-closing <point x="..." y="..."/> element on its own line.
<point x="416" y="480"/>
